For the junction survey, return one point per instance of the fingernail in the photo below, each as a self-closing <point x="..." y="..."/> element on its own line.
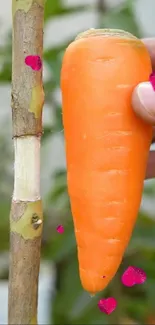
<point x="146" y="95"/>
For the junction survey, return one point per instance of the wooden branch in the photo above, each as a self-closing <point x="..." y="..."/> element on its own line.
<point x="26" y="217"/>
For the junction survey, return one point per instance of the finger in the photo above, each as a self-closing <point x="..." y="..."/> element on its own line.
<point x="150" y="171"/>
<point x="143" y="102"/>
<point x="150" y="44"/>
<point x="143" y="98"/>
<point x="153" y="138"/>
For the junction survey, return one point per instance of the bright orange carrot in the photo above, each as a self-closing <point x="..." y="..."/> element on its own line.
<point x="107" y="147"/>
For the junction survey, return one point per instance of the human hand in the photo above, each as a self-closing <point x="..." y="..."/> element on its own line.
<point x="143" y="101"/>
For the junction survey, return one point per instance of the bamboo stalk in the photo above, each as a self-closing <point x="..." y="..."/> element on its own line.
<point x="26" y="217"/>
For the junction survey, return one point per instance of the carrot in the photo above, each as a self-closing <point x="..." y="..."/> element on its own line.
<point x="107" y="147"/>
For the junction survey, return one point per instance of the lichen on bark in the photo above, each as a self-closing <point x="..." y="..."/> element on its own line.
<point x="26" y="222"/>
<point x="25" y="5"/>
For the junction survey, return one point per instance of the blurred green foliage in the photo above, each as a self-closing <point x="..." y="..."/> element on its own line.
<point x="71" y="305"/>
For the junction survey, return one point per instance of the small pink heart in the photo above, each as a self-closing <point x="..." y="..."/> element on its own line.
<point x="152" y="79"/>
<point x="33" y="61"/>
<point x="108" y="305"/>
<point x="132" y="276"/>
<point x="140" y="275"/>
<point x="60" y="229"/>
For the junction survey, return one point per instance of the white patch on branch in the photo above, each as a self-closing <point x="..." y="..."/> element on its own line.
<point x="27" y="169"/>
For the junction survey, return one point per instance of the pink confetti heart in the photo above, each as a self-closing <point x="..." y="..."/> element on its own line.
<point x="132" y="276"/>
<point x="140" y="275"/>
<point x="60" y="229"/>
<point x="152" y="79"/>
<point x="108" y="305"/>
<point x="33" y="61"/>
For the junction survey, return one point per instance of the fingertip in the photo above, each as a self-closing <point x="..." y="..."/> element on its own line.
<point x="143" y="102"/>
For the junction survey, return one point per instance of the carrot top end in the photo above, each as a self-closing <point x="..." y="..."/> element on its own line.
<point x="105" y="33"/>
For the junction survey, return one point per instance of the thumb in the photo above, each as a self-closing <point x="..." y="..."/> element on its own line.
<point x="143" y="102"/>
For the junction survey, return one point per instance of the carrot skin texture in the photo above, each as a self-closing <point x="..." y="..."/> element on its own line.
<point x="107" y="148"/>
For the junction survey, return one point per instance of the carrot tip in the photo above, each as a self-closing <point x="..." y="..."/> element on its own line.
<point x="92" y="295"/>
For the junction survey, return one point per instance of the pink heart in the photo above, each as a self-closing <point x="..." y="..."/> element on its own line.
<point x="108" y="305"/>
<point x="132" y="276"/>
<point x="33" y="61"/>
<point x="152" y="79"/>
<point x="60" y="229"/>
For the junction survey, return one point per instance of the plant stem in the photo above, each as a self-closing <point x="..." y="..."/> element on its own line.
<point x="26" y="217"/>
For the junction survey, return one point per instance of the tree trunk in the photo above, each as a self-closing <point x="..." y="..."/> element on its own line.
<point x="26" y="217"/>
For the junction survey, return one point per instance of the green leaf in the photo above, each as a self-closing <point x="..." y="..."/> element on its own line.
<point x="149" y="189"/>
<point x="6" y="59"/>
<point x="57" y="8"/>
<point x="143" y="235"/>
<point x="63" y="245"/>
<point x="60" y="187"/>
<point x="53" y="58"/>
<point x="4" y="225"/>
<point x="69" y="288"/>
<point x="47" y="132"/>
<point x="5" y="73"/>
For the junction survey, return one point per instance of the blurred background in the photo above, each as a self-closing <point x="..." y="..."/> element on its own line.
<point x="61" y="297"/>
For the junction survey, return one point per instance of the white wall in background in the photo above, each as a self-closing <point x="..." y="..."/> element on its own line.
<point x="65" y="28"/>
<point x="144" y="12"/>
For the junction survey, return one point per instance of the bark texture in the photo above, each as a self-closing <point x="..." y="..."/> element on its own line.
<point x="27" y="89"/>
<point x="25" y="241"/>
